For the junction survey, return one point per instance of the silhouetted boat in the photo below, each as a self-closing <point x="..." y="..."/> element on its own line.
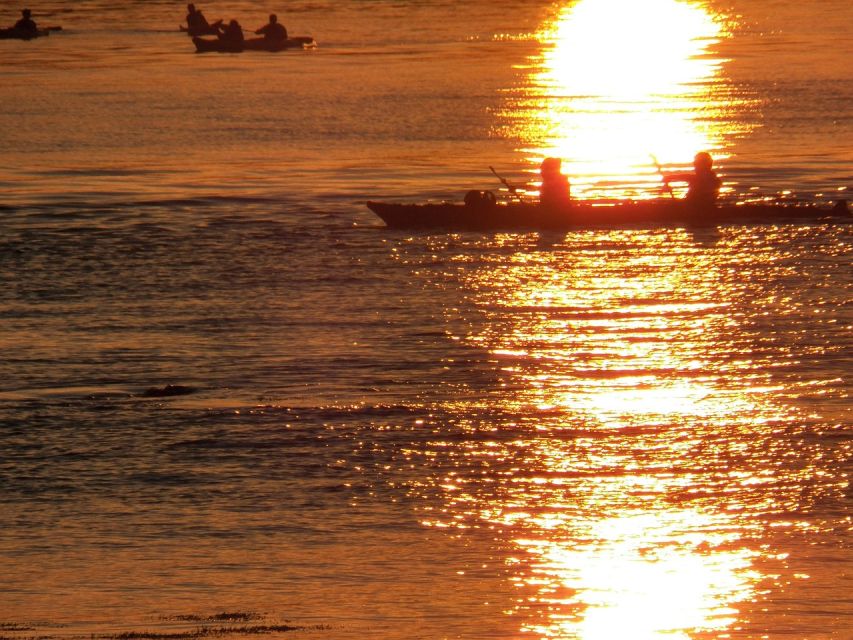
<point x="203" y="45"/>
<point x="487" y="216"/>
<point x="21" y="34"/>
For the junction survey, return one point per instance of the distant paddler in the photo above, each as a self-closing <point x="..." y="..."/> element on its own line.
<point x="197" y="24"/>
<point x="23" y="29"/>
<point x="26" y="24"/>
<point x="273" y="31"/>
<point x="703" y="185"/>
<point x="232" y="35"/>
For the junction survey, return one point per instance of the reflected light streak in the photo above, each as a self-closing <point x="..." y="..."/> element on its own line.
<point x="619" y="82"/>
<point x="649" y="571"/>
<point x="624" y="494"/>
<point x="628" y="590"/>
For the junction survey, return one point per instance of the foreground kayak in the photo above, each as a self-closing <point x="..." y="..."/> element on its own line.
<point x="488" y="216"/>
<point x="203" y="45"/>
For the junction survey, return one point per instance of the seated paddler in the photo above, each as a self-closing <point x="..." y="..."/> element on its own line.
<point x="555" y="190"/>
<point x="703" y="185"/>
<point x="26" y="25"/>
<point x="232" y="34"/>
<point x="197" y="24"/>
<point x="273" y="31"/>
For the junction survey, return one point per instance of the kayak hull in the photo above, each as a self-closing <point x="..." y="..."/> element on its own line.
<point x="205" y="45"/>
<point x="653" y="213"/>
<point x="19" y="34"/>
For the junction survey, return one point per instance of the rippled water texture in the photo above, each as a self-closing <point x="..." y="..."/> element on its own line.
<point x="234" y="404"/>
<point x="671" y="431"/>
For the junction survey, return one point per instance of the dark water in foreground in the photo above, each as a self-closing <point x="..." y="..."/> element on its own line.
<point x="631" y="433"/>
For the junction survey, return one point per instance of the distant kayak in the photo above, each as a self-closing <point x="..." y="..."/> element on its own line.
<point x="20" y="34"/>
<point x="488" y="215"/>
<point x="204" y="45"/>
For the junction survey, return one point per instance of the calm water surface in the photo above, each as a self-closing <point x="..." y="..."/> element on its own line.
<point x="631" y="433"/>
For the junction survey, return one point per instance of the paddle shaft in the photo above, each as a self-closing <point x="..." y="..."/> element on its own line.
<point x="663" y="175"/>
<point x="512" y="190"/>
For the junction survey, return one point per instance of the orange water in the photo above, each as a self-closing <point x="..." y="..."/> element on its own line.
<point x="599" y="434"/>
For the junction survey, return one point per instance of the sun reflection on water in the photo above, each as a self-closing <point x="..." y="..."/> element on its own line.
<point x="629" y="588"/>
<point x="643" y="445"/>
<point x="610" y="554"/>
<point x="621" y="85"/>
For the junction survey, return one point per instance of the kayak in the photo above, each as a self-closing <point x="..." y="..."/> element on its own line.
<point x="487" y="215"/>
<point x="203" y="45"/>
<point x="19" y="34"/>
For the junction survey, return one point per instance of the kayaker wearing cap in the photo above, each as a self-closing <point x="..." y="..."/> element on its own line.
<point x="555" y="189"/>
<point x="703" y="184"/>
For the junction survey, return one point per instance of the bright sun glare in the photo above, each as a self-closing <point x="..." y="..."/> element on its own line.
<point x="621" y="81"/>
<point x="628" y="594"/>
<point x="630" y="50"/>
